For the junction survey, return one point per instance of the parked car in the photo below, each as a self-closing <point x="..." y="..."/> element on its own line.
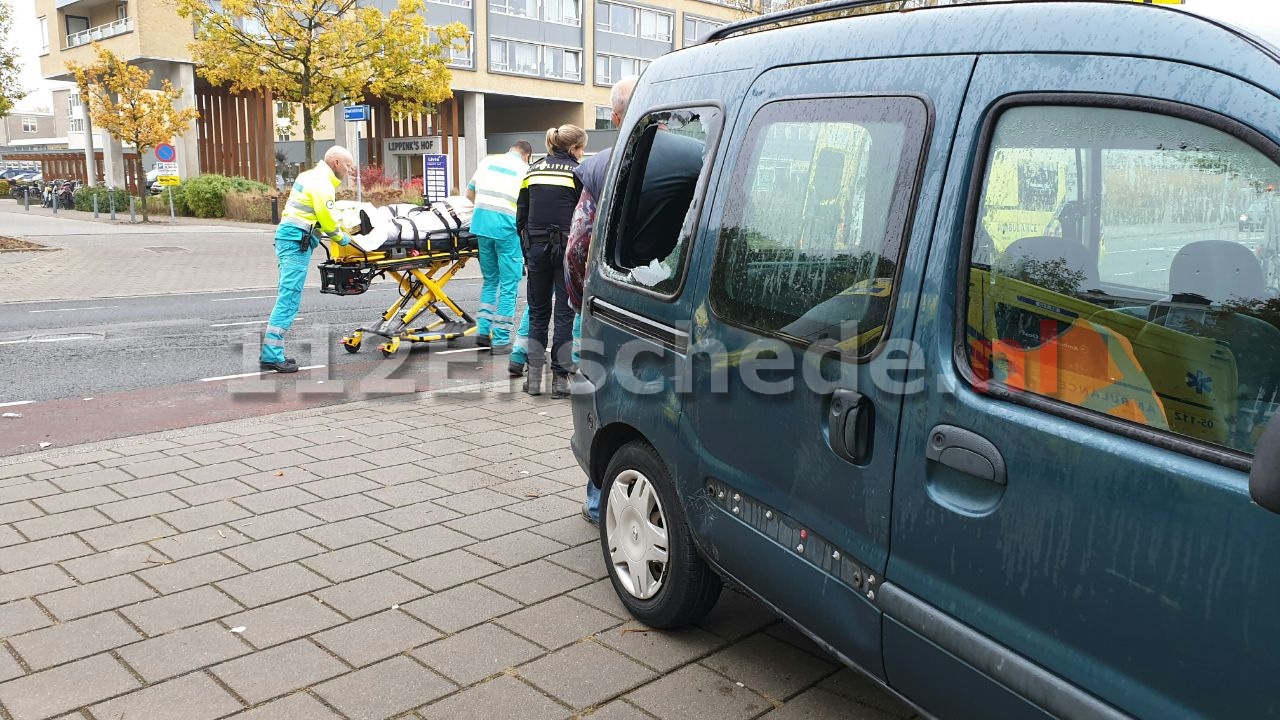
<point x="1254" y="219"/>
<point x="1001" y="469"/>
<point x="152" y="182"/>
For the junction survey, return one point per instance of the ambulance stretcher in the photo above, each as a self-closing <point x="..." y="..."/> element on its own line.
<point x="421" y="254"/>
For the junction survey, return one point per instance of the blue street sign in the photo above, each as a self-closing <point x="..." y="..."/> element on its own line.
<point x="355" y="113"/>
<point x="165" y="152"/>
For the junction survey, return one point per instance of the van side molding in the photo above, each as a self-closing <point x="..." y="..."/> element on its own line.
<point x="664" y="335"/>
<point x="1032" y="682"/>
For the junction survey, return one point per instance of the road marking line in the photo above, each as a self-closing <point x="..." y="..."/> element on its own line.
<point x="470" y="349"/>
<point x="252" y="297"/>
<point x="256" y="374"/>
<point x="14" y="342"/>
<point x="95" y="307"/>
<point x="17" y="402"/>
<point x="250" y="322"/>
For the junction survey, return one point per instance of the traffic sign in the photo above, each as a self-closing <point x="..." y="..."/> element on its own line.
<point x="355" y="113"/>
<point x="166" y="153"/>
<point x="167" y="173"/>
<point x="167" y="180"/>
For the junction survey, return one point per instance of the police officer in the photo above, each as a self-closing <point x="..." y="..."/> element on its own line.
<point x="494" y="189"/>
<point x="543" y="212"/>
<point x="307" y="216"/>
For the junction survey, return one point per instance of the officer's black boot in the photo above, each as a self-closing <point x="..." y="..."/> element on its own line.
<point x="560" y="385"/>
<point x="533" y="383"/>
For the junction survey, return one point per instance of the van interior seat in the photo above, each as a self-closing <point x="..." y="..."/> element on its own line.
<point x="1203" y="276"/>
<point x="1216" y="271"/>
<point x="1022" y="256"/>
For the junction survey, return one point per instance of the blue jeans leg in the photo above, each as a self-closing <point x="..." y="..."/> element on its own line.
<point x="520" y="353"/>
<point x="490" y="270"/>
<point x="510" y="261"/>
<point x="293" y="262"/>
<point x="593" y="501"/>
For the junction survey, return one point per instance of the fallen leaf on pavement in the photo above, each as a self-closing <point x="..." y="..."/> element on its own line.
<point x="238" y="629"/>
<point x="279" y="473"/>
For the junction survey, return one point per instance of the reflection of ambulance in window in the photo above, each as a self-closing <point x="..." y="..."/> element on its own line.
<point x="1025" y="192"/>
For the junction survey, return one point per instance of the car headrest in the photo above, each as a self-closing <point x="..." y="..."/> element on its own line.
<point x="1046" y="249"/>
<point x="1216" y="270"/>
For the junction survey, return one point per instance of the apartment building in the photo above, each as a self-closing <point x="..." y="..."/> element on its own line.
<point x="532" y="64"/>
<point x="29" y="131"/>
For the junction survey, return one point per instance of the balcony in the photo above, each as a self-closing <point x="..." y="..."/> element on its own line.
<point x="101" y="32"/>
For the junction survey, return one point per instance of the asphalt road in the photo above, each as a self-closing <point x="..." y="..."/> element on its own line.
<point x="87" y="370"/>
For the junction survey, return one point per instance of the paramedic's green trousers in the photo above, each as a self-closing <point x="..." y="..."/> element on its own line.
<point x="502" y="265"/>
<point x="294" y="262"/>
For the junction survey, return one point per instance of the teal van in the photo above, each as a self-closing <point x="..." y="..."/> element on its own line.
<point x="954" y="352"/>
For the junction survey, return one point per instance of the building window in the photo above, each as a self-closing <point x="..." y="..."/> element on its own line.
<point x="458" y="3"/>
<point x="612" y="68"/>
<point x="604" y="118"/>
<point x="75" y="125"/>
<point x="565" y="12"/>
<point x="462" y="56"/>
<point x="696" y="28"/>
<point x="636" y="22"/>
<point x="515" y="8"/>
<point x="525" y="58"/>
<point x="28" y="125"/>
<point x="122" y="11"/>
<point x="44" y="35"/>
<point x="75" y="120"/>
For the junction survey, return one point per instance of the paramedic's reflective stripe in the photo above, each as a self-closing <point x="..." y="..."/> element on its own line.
<point x="486" y="309"/>
<point x="501" y="320"/>
<point x="498" y="202"/>
<point x="273" y="341"/>
<point x="1087" y="365"/>
<point x="522" y="342"/>
<point x="298" y="205"/>
<point x="272" y="330"/>
<point x="549" y="177"/>
<point x="501" y="210"/>
<point x="302" y="225"/>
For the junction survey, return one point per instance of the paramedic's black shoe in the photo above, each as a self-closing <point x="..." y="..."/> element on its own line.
<point x="515" y="369"/>
<point x="482" y="341"/>
<point x="533" y="383"/>
<point x="288" y="366"/>
<point x="560" y="385"/>
<point x="502" y="350"/>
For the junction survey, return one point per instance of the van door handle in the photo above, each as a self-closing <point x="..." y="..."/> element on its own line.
<point x="849" y="425"/>
<point x="967" y="452"/>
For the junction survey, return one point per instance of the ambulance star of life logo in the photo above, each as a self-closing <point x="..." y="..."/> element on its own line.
<point x="1200" y="382"/>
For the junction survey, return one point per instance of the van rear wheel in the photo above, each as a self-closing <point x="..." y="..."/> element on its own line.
<point x="653" y="564"/>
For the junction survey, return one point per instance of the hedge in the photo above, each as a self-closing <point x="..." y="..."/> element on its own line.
<point x="205" y="195"/>
<point x="83" y="198"/>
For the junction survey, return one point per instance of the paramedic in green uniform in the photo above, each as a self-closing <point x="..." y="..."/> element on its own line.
<point x="494" y="189"/>
<point x="307" y="216"/>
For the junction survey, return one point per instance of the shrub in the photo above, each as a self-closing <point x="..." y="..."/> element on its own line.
<point x="251" y="206"/>
<point x="83" y="198"/>
<point x="412" y="190"/>
<point x="204" y="194"/>
<point x="377" y="195"/>
<point x="159" y="204"/>
<point x="4" y="188"/>
<point x="372" y="176"/>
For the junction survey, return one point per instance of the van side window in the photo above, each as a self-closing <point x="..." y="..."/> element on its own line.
<point x="815" y="216"/>
<point x="654" y="208"/>
<point x="1127" y="262"/>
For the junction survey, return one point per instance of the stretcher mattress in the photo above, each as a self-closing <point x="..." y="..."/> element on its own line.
<point x="439" y="227"/>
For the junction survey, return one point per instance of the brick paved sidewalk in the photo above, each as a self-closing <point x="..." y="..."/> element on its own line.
<point x="415" y="558"/>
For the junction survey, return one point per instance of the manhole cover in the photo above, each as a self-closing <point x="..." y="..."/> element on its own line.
<point x="167" y="249"/>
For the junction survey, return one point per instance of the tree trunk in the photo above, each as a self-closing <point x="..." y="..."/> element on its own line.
<point x="140" y="180"/>
<point x="308" y="134"/>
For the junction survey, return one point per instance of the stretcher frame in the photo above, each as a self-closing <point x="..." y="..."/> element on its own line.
<point x="421" y="279"/>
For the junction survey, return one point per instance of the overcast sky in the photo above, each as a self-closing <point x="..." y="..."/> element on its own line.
<point x="1260" y="16"/>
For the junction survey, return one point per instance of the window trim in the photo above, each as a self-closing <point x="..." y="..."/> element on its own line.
<point x="701" y="198"/>
<point x="685" y="17"/>
<point x="911" y="201"/>
<point x="640" y="10"/>
<point x="639" y="70"/>
<point x="1165" y="440"/>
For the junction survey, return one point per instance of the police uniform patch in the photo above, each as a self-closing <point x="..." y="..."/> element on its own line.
<point x="329" y="204"/>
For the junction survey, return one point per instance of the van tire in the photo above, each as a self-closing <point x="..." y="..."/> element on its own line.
<point x="688" y="586"/>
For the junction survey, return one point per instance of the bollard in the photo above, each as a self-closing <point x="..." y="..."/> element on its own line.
<point x="56" y="202"/>
<point x="111" y="201"/>
<point x="133" y="202"/>
<point x="26" y="199"/>
<point x="95" y="206"/>
<point x="173" y="218"/>
<point x="275" y="210"/>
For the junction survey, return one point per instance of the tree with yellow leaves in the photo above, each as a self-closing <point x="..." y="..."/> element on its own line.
<point x="318" y="53"/>
<point x="10" y="89"/>
<point x="122" y="105"/>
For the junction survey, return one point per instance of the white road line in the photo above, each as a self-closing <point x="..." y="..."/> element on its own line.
<point x="17" y="402"/>
<point x="255" y="374"/>
<point x="250" y="322"/>
<point x="470" y="349"/>
<point x="251" y="297"/>
<point x="95" y="307"/>
<point x="63" y="338"/>
<point x="14" y="342"/>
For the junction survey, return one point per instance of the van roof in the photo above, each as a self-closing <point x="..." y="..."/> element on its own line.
<point x="820" y="33"/>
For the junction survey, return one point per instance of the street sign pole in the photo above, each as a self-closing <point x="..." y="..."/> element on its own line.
<point x="356" y="114"/>
<point x="359" y="189"/>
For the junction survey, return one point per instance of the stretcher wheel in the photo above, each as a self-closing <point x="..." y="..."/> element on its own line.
<point x="352" y="345"/>
<point x="389" y="348"/>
